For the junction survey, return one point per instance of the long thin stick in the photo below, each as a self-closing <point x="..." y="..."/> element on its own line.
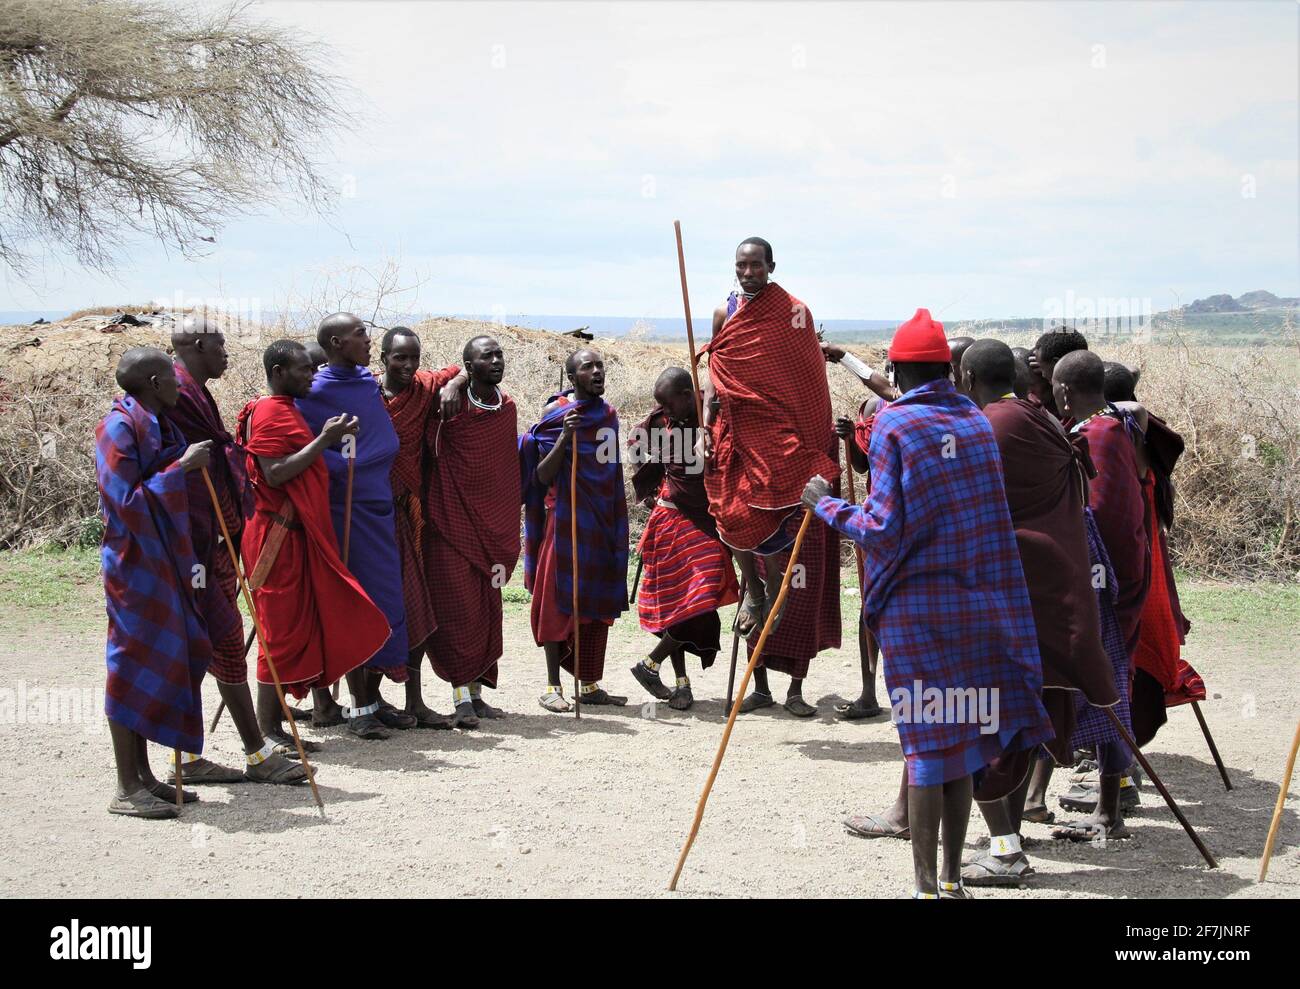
<point x="261" y="641"/>
<point x="735" y="707"/>
<point x="180" y="796"/>
<point x="853" y="500"/>
<point x="636" y="581"/>
<point x="1281" y="802"/>
<point x="573" y="534"/>
<point x="347" y="537"/>
<point x="1151" y="773"/>
<point x="1214" y="749"/>
<point x="347" y="509"/>
<point x="690" y="332"/>
<point x="735" y="641"/>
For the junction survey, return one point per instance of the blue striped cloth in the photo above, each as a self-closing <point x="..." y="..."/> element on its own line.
<point x="158" y="648"/>
<point x="602" y="508"/>
<point x="943" y="586"/>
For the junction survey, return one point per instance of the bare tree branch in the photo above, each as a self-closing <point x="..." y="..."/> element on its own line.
<point x="119" y="117"/>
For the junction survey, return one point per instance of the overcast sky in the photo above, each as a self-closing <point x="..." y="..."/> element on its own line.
<point x="977" y="159"/>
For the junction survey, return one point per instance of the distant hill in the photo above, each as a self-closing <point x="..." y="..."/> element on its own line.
<point x="1251" y="301"/>
<point x="1256" y="317"/>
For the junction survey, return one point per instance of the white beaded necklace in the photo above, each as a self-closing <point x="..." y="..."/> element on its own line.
<point x="484" y="405"/>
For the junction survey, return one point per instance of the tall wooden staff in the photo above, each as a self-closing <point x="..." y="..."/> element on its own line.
<point x="261" y="641"/>
<point x="180" y="797"/>
<point x="699" y="424"/>
<point x="853" y="500"/>
<point x="1214" y="749"/>
<point x="735" y="641"/>
<point x="1281" y="802"/>
<point x="347" y="527"/>
<point x="573" y="543"/>
<point x="744" y="682"/>
<point x="690" y="331"/>
<point x="1151" y="775"/>
<point x="347" y="499"/>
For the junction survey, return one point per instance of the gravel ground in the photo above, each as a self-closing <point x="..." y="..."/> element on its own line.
<point x="539" y="804"/>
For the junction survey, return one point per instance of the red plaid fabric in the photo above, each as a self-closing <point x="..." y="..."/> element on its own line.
<point x="774" y="409"/>
<point x="1115" y="497"/>
<point x="811" y="620"/>
<point x="687" y="573"/>
<point x="229" y="660"/>
<point x="473" y="495"/>
<point x="421" y="619"/>
<point x="466" y="645"/>
<point x="550" y="624"/>
<point x="471" y="537"/>
<point x="196" y="414"/>
<point x="411" y="410"/>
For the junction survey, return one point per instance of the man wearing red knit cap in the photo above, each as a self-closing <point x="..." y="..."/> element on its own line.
<point x="944" y="594"/>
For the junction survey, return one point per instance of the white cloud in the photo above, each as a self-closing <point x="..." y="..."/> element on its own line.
<point x="969" y="152"/>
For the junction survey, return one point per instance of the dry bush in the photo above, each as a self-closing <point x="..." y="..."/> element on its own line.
<point x="1236" y="408"/>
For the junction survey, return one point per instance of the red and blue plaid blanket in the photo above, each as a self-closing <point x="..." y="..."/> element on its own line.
<point x="602" y="509"/>
<point x="158" y="648"/>
<point x="943" y="587"/>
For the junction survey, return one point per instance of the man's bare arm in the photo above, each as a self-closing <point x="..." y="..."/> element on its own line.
<point x="281" y="470"/>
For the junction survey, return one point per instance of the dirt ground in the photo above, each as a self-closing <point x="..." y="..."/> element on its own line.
<point x="542" y="805"/>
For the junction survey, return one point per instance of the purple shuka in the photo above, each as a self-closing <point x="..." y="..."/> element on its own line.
<point x="158" y="648"/>
<point x="372" y="556"/>
<point x="944" y="591"/>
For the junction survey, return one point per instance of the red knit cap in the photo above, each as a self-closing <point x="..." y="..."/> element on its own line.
<point x="920" y="341"/>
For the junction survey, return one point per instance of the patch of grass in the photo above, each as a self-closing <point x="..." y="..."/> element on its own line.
<point x="42" y="579"/>
<point x="1267" y="605"/>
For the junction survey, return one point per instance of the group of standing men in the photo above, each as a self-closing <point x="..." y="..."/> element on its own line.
<point x="1007" y="544"/>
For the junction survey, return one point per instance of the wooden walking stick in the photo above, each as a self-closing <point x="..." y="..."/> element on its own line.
<point x="1281" y="802"/>
<point x="853" y="500"/>
<point x="573" y="534"/>
<point x="1214" y="749"/>
<point x="347" y="526"/>
<point x="744" y="682"/>
<point x="690" y="332"/>
<point x="180" y="796"/>
<point x="347" y="507"/>
<point x="1151" y="773"/>
<point x="735" y="641"/>
<point x="261" y="640"/>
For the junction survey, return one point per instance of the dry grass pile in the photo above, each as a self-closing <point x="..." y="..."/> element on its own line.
<point x="1237" y="408"/>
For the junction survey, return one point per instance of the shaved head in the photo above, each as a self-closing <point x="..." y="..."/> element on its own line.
<point x="958" y="345"/>
<point x="336" y="325"/>
<point x="1082" y="371"/>
<point x="191" y="329"/>
<point x="673" y="379"/>
<point x="1120" y="382"/>
<point x="138" y="365"/>
<point x="990" y="363"/>
<point x="316" y="353"/>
